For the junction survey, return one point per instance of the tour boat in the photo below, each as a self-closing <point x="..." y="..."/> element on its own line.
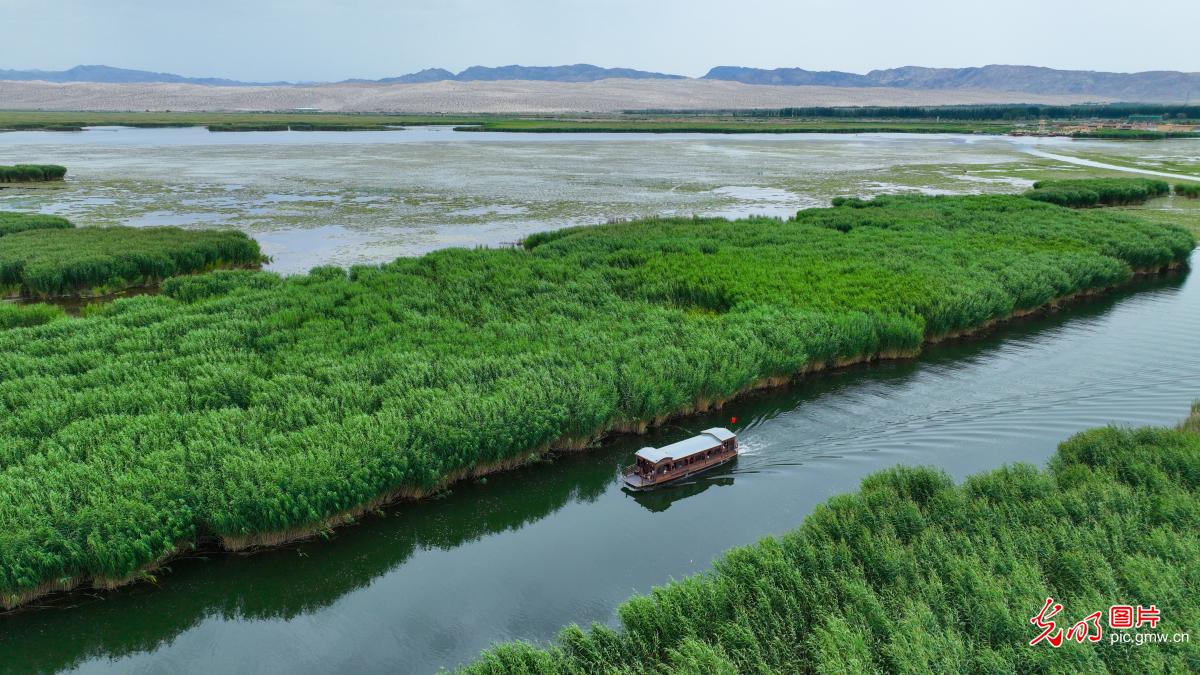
<point x="658" y="466"/>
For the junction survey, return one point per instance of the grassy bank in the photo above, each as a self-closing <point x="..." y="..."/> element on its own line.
<point x="734" y="125"/>
<point x="1089" y="192"/>
<point x="914" y="574"/>
<point x="247" y="409"/>
<point x="952" y="119"/>
<point x="55" y="261"/>
<point x="298" y="126"/>
<point x="1134" y="134"/>
<point x="31" y="173"/>
<point x="612" y="123"/>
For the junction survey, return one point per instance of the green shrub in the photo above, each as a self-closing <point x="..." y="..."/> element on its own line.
<point x="252" y="404"/>
<point x="31" y="173"/>
<point x="914" y="574"/>
<point x="1098" y="191"/>
<point x="1189" y="190"/>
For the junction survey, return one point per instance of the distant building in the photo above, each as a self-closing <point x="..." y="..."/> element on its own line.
<point x="1144" y="122"/>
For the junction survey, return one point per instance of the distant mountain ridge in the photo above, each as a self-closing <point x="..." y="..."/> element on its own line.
<point x="1156" y="85"/>
<point x="1145" y="86"/>
<point x="579" y="72"/>
<point x="115" y="75"/>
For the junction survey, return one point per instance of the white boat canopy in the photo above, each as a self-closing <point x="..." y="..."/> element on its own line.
<point x="707" y="440"/>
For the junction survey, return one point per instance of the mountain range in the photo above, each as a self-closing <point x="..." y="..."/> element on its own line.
<point x="115" y="76"/>
<point x="1144" y="86"/>
<point x="1152" y="85"/>
<point x="580" y="72"/>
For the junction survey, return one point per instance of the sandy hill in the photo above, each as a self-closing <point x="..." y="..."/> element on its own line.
<point x="507" y="96"/>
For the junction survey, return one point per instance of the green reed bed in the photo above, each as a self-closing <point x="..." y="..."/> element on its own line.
<point x="57" y="261"/>
<point x="24" y="316"/>
<point x="299" y="126"/>
<point x="912" y="574"/>
<point x="1089" y="192"/>
<point x="31" y="173"/>
<point x="1134" y="134"/>
<point x="731" y="125"/>
<point x="244" y="406"/>
<point x="11" y="222"/>
<point x="1188" y="190"/>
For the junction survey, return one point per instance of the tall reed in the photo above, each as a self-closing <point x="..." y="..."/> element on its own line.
<point x="915" y="574"/>
<point x="245" y="404"/>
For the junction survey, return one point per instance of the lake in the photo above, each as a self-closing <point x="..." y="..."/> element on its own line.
<point x="343" y="198"/>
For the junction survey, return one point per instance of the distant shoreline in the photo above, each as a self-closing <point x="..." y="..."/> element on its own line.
<point x="1111" y="122"/>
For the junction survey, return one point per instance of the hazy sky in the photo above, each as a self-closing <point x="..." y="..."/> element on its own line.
<point x="337" y="39"/>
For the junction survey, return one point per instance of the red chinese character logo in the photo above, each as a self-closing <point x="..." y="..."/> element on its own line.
<point x="1147" y="615"/>
<point x="1050" y="631"/>
<point x="1089" y="629"/>
<point x="1080" y="631"/>
<point x="1120" y="616"/>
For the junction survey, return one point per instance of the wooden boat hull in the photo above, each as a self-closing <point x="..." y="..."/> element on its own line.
<point x="637" y="483"/>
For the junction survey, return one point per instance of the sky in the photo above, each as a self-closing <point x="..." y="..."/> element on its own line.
<point x="306" y="40"/>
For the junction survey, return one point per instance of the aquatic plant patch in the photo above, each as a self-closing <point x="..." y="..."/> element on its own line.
<point x="11" y="222"/>
<point x="730" y="125"/>
<point x="23" y="316"/>
<point x="252" y="408"/>
<point x="31" y="173"/>
<point x="62" y="261"/>
<point x="1134" y="134"/>
<point x="1098" y="191"/>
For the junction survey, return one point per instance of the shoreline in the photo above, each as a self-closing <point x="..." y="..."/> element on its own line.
<point x="269" y="540"/>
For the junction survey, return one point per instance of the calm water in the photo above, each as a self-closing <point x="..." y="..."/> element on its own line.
<point x="523" y="553"/>
<point x="315" y="198"/>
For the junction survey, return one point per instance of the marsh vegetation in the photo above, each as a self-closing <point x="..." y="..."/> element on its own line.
<point x="32" y="173"/>
<point x="913" y="573"/>
<point x="1098" y="191"/>
<point x="12" y="223"/>
<point x="255" y="409"/>
<point x="45" y="256"/>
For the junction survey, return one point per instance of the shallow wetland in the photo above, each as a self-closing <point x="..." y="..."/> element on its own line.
<point x="519" y="554"/>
